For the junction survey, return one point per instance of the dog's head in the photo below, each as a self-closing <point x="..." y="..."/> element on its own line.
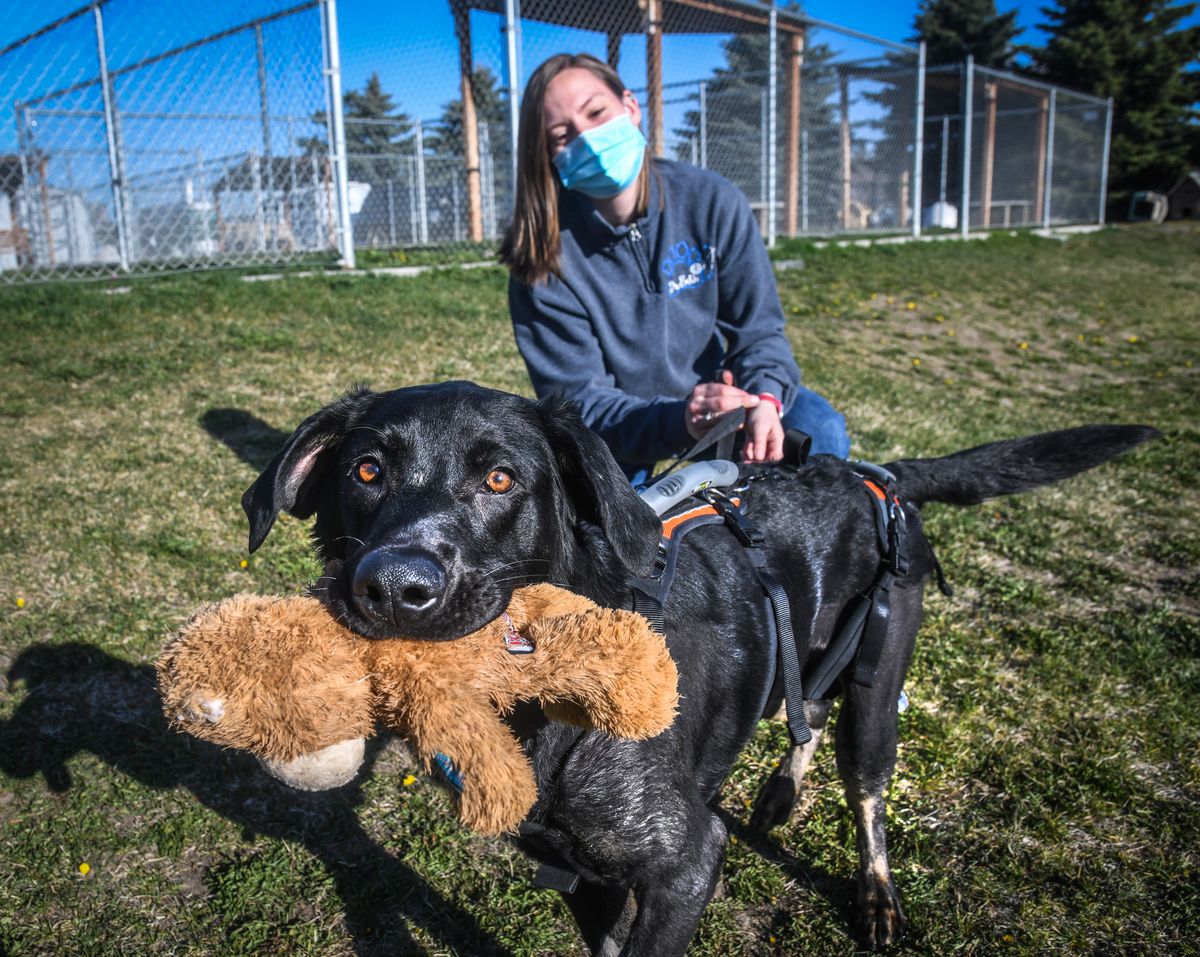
<point x="433" y="503"/>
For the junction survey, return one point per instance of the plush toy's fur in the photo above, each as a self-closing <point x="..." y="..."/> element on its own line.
<point x="280" y="678"/>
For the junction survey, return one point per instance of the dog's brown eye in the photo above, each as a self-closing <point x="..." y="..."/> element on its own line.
<point x="499" y="481"/>
<point x="367" y="471"/>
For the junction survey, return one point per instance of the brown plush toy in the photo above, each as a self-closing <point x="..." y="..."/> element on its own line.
<point x="280" y="678"/>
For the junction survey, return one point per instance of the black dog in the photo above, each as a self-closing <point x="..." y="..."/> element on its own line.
<point x="433" y="503"/>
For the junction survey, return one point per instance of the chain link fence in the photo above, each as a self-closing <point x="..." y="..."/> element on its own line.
<point x="199" y="143"/>
<point x="1023" y="153"/>
<point x="212" y="140"/>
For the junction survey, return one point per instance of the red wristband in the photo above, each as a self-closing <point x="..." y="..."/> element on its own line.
<point x="766" y="396"/>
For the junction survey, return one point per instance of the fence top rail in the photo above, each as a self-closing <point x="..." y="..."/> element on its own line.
<point x="1017" y="80"/>
<point x="167" y="54"/>
<point x="50" y="27"/>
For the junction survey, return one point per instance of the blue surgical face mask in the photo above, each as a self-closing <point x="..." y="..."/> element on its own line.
<point x="602" y="161"/>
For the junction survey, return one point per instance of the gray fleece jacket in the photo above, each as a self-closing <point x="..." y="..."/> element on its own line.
<point x="640" y="314"/>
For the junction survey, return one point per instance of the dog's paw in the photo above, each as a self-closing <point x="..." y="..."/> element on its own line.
<point x="774" y="804"/>
<point x="881" y="919"/>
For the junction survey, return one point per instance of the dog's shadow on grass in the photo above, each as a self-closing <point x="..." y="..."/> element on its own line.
<point x="249" y="437"/>
<point x="81" y="699"/>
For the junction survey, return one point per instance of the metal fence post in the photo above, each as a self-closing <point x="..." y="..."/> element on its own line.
<point x="919" y="148"/>
<point x="114" y="163"/>
<point x="422" y="200"/>
<point x="1108" y="117"/>
<point x="945" y="158"/>
<point x="804" y="181"/>
<point x="704" y="124"/>
<point x="333" y="74"/>
<point x="264" y="110"/>
<point x="772" y="145"/>
<point x="512" y="17"/>
<point x="968" y="118"/>
<point x="1049" y="160"/>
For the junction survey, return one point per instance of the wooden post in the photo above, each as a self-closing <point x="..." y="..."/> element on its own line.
<point x="795" y="63"/>
<point x="654" y="93"/>
<point x="470" y="123"/>
<point x="614" y="51"/>
<point x="989" y="152"/>
<point x="844" y="84"/>
<point x="905" y="209"/>
<point x="1043" y="123"/>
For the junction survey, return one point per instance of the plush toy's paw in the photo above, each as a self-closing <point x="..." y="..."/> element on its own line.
<point x="328" y="768"/>
<point x="274" y="676"/>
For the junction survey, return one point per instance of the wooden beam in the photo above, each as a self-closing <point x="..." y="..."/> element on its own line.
<point x="614" y="51"/>
<point x="795" y="63"/>
<point x="741" y="13"/>
<point x="989" y="153"/>
<point x="470" y="122"/>
<point x="654" y="92"/>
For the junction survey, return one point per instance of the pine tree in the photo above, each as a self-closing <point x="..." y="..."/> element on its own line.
<point x="375" y="133"/>
<point x="1135" y="52"/>
<point x="377" y="137"/>
<point x="736" y="97"/>
<point x="491" y="107"/>
<point x="952" y="29"/>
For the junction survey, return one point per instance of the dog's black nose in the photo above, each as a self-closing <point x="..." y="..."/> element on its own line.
<point x="398" y="584"/>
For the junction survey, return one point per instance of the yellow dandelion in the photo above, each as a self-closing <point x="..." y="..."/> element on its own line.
<point x="746" y="802"/>
<point x="949" y="332"/>
<point x="1188" y="363"/>
<point x="910" y="305"/>
<point x="409" y="780"/>
<point x="916" y="362"/>
<point x="20" y="602"/>
<point x="85" y="868"/>
<point x="733" y="839"/>
<point x="772" y="938"/>
<point x="244" y="563"/>
<point x="950" y="380"/>
<point x="1132" y="339"/>
<point x="1023" y="345"/>
<point x="890" y="300"/>
<point x="1081" y="337"/>
<point x="939" y="318"/>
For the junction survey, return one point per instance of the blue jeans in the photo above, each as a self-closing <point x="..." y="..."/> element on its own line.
<point x="811" y="413"/>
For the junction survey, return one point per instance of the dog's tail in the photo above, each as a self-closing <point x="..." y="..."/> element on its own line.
<point x="1014" y="465"/>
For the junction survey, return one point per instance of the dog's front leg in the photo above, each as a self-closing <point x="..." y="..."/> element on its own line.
<point x="671" y="900"/>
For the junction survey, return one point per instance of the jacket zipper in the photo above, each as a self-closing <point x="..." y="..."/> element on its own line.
<point x="635" y="241"/>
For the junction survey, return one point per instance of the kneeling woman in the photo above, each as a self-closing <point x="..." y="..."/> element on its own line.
<point x="640" y="288"/>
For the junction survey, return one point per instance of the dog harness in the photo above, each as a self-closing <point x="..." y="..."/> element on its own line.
<point x="864" y="629"/>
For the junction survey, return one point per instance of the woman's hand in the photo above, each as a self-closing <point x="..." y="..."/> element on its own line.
<point x="710" y="400"/>
<point x="764" y="434"/>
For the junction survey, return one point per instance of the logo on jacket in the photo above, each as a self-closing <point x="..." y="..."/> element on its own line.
<point x="688" y="267"/>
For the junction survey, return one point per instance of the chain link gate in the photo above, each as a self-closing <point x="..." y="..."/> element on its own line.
<point x="204" y="144"/>
<point x="1023" y="154"/>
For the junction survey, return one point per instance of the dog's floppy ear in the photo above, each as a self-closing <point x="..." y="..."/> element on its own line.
<point x="598" y="489"/>
<point x="290" y="482"/>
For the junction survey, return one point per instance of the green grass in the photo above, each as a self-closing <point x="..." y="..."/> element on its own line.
<point x="1047" y="798"/>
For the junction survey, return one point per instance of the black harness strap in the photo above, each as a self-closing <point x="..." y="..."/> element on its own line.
<point x="781" y="613"/>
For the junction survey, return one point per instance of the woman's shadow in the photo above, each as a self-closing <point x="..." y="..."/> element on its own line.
<point x="78" y="698"/>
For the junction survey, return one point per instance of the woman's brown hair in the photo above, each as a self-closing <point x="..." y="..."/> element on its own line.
<point x="531" y="242"/>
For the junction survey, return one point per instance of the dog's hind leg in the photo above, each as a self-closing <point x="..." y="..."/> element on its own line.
<point x="866" y="757"/>
<point x="778" y="796"/>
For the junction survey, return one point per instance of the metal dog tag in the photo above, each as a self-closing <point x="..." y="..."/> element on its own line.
<point x="514" y="642"/>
